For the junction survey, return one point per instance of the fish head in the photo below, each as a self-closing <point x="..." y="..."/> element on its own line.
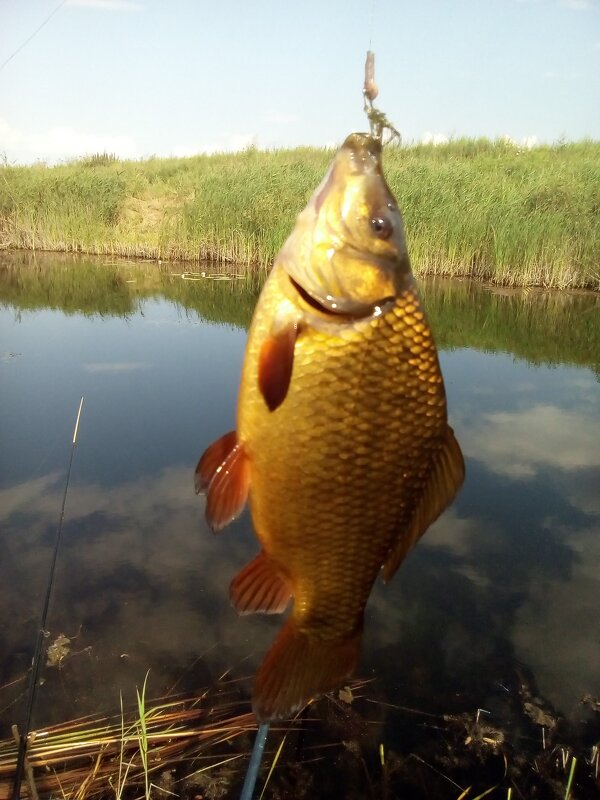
<point x="347" y="254"/>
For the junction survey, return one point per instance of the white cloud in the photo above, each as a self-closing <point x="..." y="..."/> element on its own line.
<point x="574" y="5"/>
<point x="64" y="141"/>
<point x="61" y="142"/>
<point x="434" y="138"/>
<point x="184" y="151"/>
<point x="107" y="5"/>
<point x="8" y="136"/>
<point x="570" y="76"/>
<point x="241" y="141"/>
<point x="229" y="144"/>
<point x="528" y="142"/>
<point x="518" y="443"/>
<point x="281" y="118"/>
<point x="577" y="5"/>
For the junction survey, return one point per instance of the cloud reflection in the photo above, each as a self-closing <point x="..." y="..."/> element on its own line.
<point x="557" y="631"/>
<point x="145" y="582"/>
<point x="139" y="575"/>
<point x="116" y="366"/>
<point x="518" y="443"/>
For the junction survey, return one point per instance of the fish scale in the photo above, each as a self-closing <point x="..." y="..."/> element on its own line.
<point x="342" y="445"/>
<point x="310" y="519"/>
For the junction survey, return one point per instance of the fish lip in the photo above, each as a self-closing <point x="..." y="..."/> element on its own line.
<point x="341" y="310"/>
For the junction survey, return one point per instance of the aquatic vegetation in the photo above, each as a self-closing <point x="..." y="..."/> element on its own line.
<point x="472" y="207"/>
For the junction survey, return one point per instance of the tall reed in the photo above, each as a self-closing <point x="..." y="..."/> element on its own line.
<point x="472" y="207"/>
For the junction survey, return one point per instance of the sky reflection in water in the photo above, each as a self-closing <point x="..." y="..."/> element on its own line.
<point x="506" y="576"/>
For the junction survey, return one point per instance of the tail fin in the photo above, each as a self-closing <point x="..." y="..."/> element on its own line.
<point x="298" y="668"/>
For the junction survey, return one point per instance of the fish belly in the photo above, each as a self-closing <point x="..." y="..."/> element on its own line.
<point x="337" y="468"/>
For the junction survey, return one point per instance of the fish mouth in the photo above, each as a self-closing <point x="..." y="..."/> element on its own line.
<point x="341" y="309"/>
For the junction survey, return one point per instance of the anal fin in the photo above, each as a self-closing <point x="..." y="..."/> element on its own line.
<point x="445" y="479"/>
<point x="260" y="587"/>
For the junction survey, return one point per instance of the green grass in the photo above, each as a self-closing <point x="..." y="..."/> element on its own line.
<point x="471" y="207"/>
<point x="142" y="735"/>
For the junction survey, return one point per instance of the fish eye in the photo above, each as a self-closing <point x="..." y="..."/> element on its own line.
<point x="381" y="227"/>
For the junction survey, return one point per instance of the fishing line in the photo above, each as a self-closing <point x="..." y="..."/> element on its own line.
<point x="255" y="759"/>
<point x="35" y="663"/>
<point x="35" y="33"/>
<point x="371" y="23"/>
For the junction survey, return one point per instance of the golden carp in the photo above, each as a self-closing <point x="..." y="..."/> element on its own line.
<point x="342" y="443"/>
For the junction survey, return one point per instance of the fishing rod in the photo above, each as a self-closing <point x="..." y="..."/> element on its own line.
<point x="255" y="759"/>
<point x="35" y="663"/>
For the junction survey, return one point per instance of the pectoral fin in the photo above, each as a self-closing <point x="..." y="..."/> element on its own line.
<point x="211" y="460"/>
<point x="224" y="473"/>
<point x="445" y="478"/>
<point x="275" y="364"/>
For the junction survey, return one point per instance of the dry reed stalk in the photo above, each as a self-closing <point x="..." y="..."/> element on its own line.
<point x="81" y="758"/>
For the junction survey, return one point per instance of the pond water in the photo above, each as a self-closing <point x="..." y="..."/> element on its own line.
<point x="497" y="604"/>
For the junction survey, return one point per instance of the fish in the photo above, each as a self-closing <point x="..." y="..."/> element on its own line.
<point x="342" y="445"/>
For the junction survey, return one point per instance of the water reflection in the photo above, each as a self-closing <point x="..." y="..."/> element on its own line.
<point x="139" y="583"/>
<point x="504" y="579"/>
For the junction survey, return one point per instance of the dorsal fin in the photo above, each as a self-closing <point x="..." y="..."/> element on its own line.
<point x="445" y="478"/>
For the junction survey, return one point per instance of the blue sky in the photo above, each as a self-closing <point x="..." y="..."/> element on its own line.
<point x="150" y="77"/>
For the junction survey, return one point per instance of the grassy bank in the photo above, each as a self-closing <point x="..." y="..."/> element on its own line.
<point x="472" y="207"/>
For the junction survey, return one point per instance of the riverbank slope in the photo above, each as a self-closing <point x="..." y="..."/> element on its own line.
<point x="472" y="207"/>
